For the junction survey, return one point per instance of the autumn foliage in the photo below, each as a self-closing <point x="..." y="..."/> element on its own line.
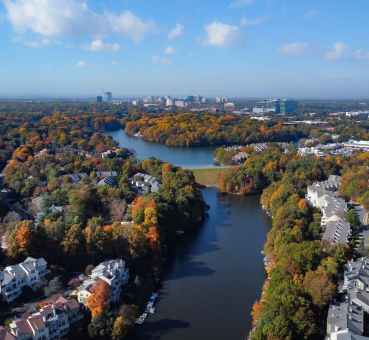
<point x="145" y="214"/>
<point x="191" y="129"/>
<point x="99" y="298"/>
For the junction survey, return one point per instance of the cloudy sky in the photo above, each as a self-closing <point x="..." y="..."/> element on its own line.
<point x="248" y="48"/>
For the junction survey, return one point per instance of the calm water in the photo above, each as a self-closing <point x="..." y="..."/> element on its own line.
<point x="216" y="275"/>
<point x="184" y="157"/>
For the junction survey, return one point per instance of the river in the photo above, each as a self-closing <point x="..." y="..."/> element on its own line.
<point x="199" y="157"/>
<point x="217" y="274"/>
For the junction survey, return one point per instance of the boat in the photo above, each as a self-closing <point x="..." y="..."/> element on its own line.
<point x="141" y="319"/>
<point x="180" y="232"/>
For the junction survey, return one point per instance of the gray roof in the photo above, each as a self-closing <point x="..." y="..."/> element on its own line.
<point x="111" y="181"/>
<point x="31" y="263"/>
<point x="362" y="214"/>
<point x="358" y="269"/>
<point x="106" y="174"/>
<point x="345" y="315"/>
<point x="337" y="231"/>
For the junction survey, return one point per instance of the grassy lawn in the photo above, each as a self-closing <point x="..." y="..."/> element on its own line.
<point x="208" y="177"/>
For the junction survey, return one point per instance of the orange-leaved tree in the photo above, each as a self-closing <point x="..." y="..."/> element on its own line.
<point x="99" y="298"/>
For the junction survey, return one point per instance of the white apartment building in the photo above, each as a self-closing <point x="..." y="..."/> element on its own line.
<point x="28" y="273"/>
<point x="323" y="196"/>
<point x="113" y="272"/>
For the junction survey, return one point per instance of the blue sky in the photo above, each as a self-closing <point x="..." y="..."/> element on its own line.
<point x="248" y="48"/>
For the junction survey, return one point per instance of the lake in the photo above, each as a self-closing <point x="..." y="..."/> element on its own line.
<point x="215" y="275"/>
<point x="199" y="157"/>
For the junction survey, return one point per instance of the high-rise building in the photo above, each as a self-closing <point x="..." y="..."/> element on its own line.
<point x="180" y="103"/>
<point x="108" y="97"/>
<point x="221" y="100"/>
<point x="283" y="106"/>
<point x="169" y="102"/>
<point x="288" y="106"/>
<point x="99" y="99"/>
<point x="267" y="106"/>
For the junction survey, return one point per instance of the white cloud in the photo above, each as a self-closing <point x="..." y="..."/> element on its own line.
<point x="294" y="49"/>
<point x="161" y="60"/>
<point x="60" y="18"/>
<point x="99" y="45"/>
<point x="361" y="55"/>
<point x="81" y="64"/>
<point x="245" y="22"/>
<point x="130" y="25"/>
<point x="176" y="32"/>
<point x="241" y="3"/>
<point x="169" y="50"/>
<point x="220" y="34"/>
<point x="337" y="52"/>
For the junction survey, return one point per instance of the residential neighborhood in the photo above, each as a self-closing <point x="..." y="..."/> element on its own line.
<point x="53" y="320"/>
<point x="56" y="316"/>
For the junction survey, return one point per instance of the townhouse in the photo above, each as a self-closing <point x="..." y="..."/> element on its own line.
<point x="114" y="272"/>
<point x="145" y="183"/>
<point x="29" y="273"/>
<point x="240" y="157"/>
<point x="52" y="321"/>
<point x="347" y="316"/>
<point x="323" y="196"/>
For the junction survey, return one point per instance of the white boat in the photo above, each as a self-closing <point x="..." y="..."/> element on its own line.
<point x="149" y="306"/>
<point x="141" y="319"/>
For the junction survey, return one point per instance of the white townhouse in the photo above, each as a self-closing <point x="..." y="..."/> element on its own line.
<point x="29" y="273"/>
<point x="145" y="183"/>
<point x="347" y="316"/>
<point x="319" y="192"/>
<point x="114" y="272"/>
<point x="323" y="196"/>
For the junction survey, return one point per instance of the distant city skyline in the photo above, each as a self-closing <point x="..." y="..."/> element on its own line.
<point x="235" y="48"/>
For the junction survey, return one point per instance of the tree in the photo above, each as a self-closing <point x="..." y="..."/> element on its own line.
<point x="23" y="236"/>
<point x="73" y="240"/>
<point x="256" y="312"/>
<point x="117" y="210"/>
<point x="99" y="298"/>
<point x="19" y="240"/>
<point x="120" y="330"/>
<point x="100" y="327"/>
<point x="320" y="287"/>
